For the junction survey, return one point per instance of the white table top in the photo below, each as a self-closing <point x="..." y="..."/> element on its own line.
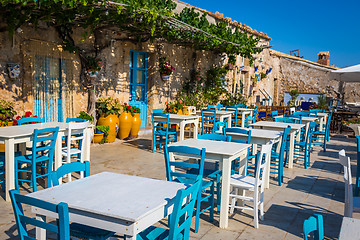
<point x="350" y="229"/>
<point x="28" y="129"/>
<point x="278" y="125"/>
<point x="214" y="147"/>
<point x="307" y="119"/>
<point x="180" y="116"/>
<point x="322" y="114"/>
<point x="240" y="109"/>
<point x="120" y="196"/>
<point x="260" y="133"/>
<point x="218" y="112"/>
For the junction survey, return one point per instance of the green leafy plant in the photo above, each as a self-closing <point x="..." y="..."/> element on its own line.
<point x="85" y="115"/>
<point x="174" y="107"/>
<point x="107" y="106"/>
<point x="127" y="108"/>
<point x="135" y="109"/>
<point x="105" y="130"/>
<point x="323" y="102"/>
<point x="7" y="112"/>
<point x="294" y="94"/>
<point x="94" y="64"/>
<point x="263" y="75"/>
<point x="232" y="99"/>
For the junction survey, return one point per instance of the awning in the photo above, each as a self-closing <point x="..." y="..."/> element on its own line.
<point x="348" y="74"/>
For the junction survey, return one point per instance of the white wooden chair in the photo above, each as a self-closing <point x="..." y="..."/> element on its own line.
<point x="239" y="183"/>
<point x="76" y="134"/>
<point x="352" y="204"/>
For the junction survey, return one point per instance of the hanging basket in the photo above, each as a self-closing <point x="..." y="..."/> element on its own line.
<point x="165" y="77"/>
<point x="92" y="73"/>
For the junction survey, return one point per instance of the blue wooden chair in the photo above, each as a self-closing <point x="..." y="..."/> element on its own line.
<point x="241" y="106"/>
<point x="277" y="158"/>
<point x="214" y="173"/>
<point x="234" y="116"/>
<point x="314" y="224"/>
<point x="249" y="121"/>
<point x="287" y="119"/>
<point x="181" y="171"/>
<point x="25" y="120"/>
<point x="274" y="113"/>
<point x="43" y="148"/>
<point x="321" y="137"/>
<point x="79" y="230"/>
<point x="70" y="168"/>
<point x="62" y="226"/>
<point x="215" y="107"/>
<point x="159" y="110"/>
<point x="255" y="114"/>
<point x="78" y="120"/>
<point x="162" y="135"/>
<point x="180" y="218"/>
<point x="302" y="148"/>
<point x="208" y="120"/>
<point x="2" y="168"/>
<point x="357" y="186"/>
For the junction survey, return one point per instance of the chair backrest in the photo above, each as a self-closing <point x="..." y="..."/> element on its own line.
<point x="77" y="132"/>
<point x="241" y="106"/>
<point x="274" y="113"/>
<point x="215" y="137"/>
<point x="61" y="226"/>
<point x="328" y="122"/>
<point x="248" y="121"/>
<point x="216" y="107"/>
<point x="180" y="219"/>
<point x="161" y="124"/>
<point x="70" y="168"/>
<point x="172" y="173"/>
<point x="208" y="116"/>
<point x="287" y="119"/>
<point x="75" y="120"/>
<point x="314" y="224"/>
<point x="255" y="114"/>
<point x="24" y="120"/>
<point x="159" y="110"/>
<point x="283" y="143"/>
<point x="246" y="132"/>
<point x="262" y="158"/>
<point x="44" y="141"/>
<point x="345" y="162"/>
<point x="317" y="110"/>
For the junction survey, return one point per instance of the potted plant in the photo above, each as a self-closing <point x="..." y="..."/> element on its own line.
<point x="101" y="134"/>
<point x="125" y="120"/>
<point x="108" y="109"/>
<point x="136" y="122"/>
<point x="94" y="65"/>
<point x="165" y="68"/>
<point x="294" y="94"/>
<point x="7" y="113"/>
<point x="86" y="116"/>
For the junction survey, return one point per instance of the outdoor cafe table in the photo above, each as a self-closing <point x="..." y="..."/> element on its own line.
<point x="259" y="136"/>
<point x="225" y="153"/>
<point x="23" y="134"/>
<point x="295" y="128"/>
<point x="242" y="112"/>
<point x="306" y="120"/>
<point x="350" y="229"/>
<point x="182" y="121"/>
<point x="115" y="202"/>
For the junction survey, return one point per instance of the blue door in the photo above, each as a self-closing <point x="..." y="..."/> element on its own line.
<point x="48" y="88"/>
<point x="138" y="83"/>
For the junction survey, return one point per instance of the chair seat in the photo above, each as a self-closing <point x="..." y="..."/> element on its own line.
<point x="87" y="232"/>
<point x="28" y="158"/>
<point x="73" y="151"/>
<point x="163" y="133"/>
<point x="242" y="181"/>
<point x="157" y="233"/>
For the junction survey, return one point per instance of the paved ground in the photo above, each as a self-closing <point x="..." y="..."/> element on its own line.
<point x="319" y="189"/>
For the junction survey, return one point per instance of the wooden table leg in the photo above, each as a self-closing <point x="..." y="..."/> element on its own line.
<point x="9" y="167"/>
<point x="182" y="130"/>
<point x="41" y="232"/>
<point x="196" y="128"/>
<point x="291" y="149"/>
<point x="225" y="191"/>
<point x="243" y="119"/>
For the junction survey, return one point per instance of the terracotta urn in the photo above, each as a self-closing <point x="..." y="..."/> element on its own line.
<point x="135" y="127"/>
<point x="125" y="123"/>
<point x="112" y="121"/>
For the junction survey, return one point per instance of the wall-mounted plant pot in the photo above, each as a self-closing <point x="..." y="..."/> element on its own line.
<point x="165" y="77"/>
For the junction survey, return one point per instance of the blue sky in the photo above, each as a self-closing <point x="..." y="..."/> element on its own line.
<point x="311" y="26"/>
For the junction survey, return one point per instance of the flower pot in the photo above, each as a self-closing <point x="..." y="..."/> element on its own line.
<point x="112" y="121"/>
<point x="98" y="137"/>
<point x="125" y="122"/>
<point x="165" y="77"/>
<point x="135" y="127"/>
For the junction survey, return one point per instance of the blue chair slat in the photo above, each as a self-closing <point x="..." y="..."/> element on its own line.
<point x="162" y="135"/>
<point x="24" y="120"/>
<point x="43" y="148"/>
<point x="2" y="168"/>
<point x="61" y="228"/>
<point x="241" y="106"/>
<point x="277" y="158"/>
<point x="240" y="131"/>
<point x="274" y="113"/>
<point x="75" y="120"/>
<point x="189" y="174"/>
<point x="208" y="120"/>
<point x="159" y="110"/>
<point x="314" y="224"/>
<point x="69" y="168"/>
<point x="215" y="107"/>
<point x="180" y="219"/>
<point x="357" y="186"/>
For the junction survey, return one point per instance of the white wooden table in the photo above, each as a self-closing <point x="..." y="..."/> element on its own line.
<point x="182" y="121"/>
<point x="350" y="229"/>
<point x="242" y="112"/>
<point x="120" y="203"/>
<point x="221" y="114"/>
<point x="22" y="134"/>
<point x="295" y="128"/>
<point x="225" y="153"/>
<point x="259" y="136"/>
<point x="306" y="120"/>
